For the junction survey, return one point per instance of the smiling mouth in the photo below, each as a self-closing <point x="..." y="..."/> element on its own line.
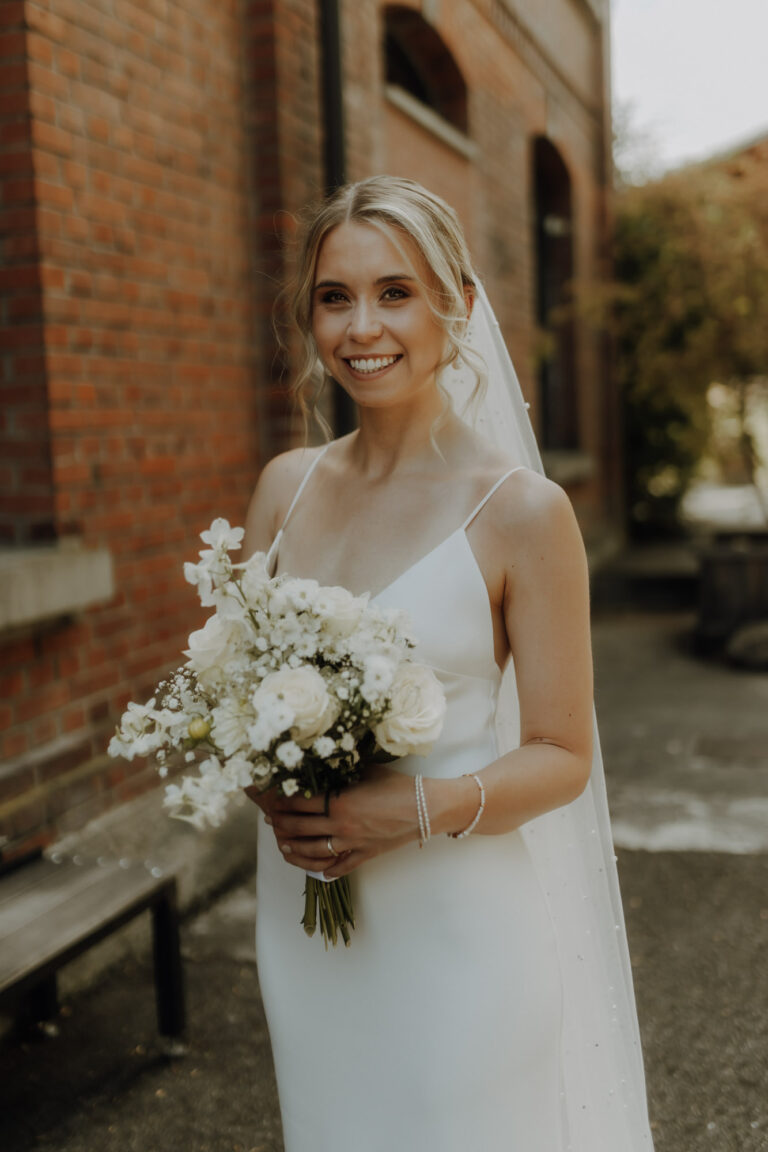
<point x="367" y="365"/>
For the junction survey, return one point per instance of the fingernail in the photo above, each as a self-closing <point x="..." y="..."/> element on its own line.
<point x="268" y="820"/>
<point x="285" y="848"/>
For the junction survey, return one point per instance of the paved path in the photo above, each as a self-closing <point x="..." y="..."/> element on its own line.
<point x="683" y="744"/>
<point x="685" y="741"/>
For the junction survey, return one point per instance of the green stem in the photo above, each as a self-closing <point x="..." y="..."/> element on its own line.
<point x="309" y="919"/>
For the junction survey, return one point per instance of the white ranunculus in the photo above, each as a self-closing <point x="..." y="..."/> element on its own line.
<point x="231" y="719"/>
<point x="208" y="647"/>
<point x="417" y="712"/>
<point x="304" y="691"/>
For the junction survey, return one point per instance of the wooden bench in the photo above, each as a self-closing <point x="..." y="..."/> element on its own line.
<point x="51" y="913"/>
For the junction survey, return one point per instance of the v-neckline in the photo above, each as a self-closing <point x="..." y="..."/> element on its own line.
<point x="460" y="530"/>
<point x="421" y="560"/>
<point x="401" y="576"/>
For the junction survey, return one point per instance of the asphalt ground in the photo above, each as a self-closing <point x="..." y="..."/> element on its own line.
<point x="677" y="733"/>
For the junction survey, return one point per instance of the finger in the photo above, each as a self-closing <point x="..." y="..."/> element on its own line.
<point x="300" y="803"/>
<point x="295" y="854"/>
<point x="310" y="849"/>
<point x="257" y="795"/>
<point x="288" y="826"/>
<point x="345" y="864"/>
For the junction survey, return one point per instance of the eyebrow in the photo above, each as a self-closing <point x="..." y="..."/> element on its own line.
<point x="381" y="280"/>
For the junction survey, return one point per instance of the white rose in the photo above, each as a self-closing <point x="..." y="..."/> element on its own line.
<point x="303" y="690"/>
<point x="209" y="646"/>
<point x="339" y="609"/>
<point x="416" y="715"/>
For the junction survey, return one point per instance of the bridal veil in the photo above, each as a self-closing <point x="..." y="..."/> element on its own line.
<point x="603" y="1085"/>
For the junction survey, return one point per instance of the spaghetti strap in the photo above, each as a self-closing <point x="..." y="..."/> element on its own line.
<point x="488" y="495"/>
<point x="272" y="551"/>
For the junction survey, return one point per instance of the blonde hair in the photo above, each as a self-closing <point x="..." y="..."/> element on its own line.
<point x="400" y="208"/>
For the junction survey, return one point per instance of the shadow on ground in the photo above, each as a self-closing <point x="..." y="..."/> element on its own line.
<point x="698" y="929"/>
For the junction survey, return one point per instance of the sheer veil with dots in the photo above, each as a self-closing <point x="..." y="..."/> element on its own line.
<point x="603" y="1083"/>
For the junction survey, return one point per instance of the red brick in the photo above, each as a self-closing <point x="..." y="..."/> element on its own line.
<point x="48" y="137"/>
<point x="11" y="13"/>
<point x="39" y="49"/>
<point x="55" y="195"/>
<point x="13" y="743"/>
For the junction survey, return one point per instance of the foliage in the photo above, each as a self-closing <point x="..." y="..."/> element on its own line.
<point x="689" y="305"/>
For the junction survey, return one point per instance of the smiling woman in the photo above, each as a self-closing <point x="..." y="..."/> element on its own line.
<point x="378" y="323"/>
<point x="449" y="1022"/>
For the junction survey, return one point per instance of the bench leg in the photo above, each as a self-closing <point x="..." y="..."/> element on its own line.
<point x="169" y="974"/>
<point x="41" y="1002"/>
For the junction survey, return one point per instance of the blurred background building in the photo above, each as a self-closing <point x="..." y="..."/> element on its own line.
<point x="153" y="159"/>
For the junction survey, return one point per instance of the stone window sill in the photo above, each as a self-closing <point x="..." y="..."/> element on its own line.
<point x="568" y="467"/>
<point x="426" y="118"/>
<point x="41" y="584"/>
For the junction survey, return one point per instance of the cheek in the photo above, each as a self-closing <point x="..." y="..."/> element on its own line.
<point x="326" y="331"/>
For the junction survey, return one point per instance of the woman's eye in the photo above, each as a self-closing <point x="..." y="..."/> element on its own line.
<point x="395" y="293"/>
<point x="333" y="297"/>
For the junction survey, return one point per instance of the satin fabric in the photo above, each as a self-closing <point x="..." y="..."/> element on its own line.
<point x="440" y="1027"/>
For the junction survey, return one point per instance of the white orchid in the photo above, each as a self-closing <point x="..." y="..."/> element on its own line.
<point x="221" y="537"/>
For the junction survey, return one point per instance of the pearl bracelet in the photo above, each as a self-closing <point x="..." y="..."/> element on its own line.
<point x="480" y="809"/>
<point x="425" y="831"/>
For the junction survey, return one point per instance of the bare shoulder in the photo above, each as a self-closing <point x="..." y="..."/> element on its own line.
<point x="277" y="485"/>
<point x="534" y="513"/>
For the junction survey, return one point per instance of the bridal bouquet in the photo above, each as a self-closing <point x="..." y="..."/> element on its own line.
<point x="289" y="685"/>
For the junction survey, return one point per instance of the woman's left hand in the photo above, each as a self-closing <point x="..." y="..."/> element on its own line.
<point x="363" y="821"/>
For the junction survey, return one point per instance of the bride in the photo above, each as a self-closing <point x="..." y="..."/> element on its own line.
<point x="460" y="1017"/>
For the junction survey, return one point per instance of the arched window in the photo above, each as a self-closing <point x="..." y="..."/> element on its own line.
<point x="418" y="61"/>
<point x="553" y="251"/>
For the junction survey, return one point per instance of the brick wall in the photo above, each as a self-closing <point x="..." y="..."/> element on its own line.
<point x="283" y="116"/>
<point x="26" y="510"/>
<point x="137" y="218"/>
<point x="152" y="159"/>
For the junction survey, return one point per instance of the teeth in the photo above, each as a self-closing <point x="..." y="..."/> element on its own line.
<point x="372" y="365"/>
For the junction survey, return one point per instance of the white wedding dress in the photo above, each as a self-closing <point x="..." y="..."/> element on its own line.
<point x="439" y="1029"/>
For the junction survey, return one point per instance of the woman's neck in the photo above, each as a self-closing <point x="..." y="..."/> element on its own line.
<point x="402" y="437"/>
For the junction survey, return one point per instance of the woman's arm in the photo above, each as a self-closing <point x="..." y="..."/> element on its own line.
<point x="276" y="486"/>
<point x="546" y="615"/>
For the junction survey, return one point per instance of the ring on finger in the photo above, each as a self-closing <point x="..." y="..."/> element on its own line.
<point x="330" y="847"/>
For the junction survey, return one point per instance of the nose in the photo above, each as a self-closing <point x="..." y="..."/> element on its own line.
<point x="364" y="322"/>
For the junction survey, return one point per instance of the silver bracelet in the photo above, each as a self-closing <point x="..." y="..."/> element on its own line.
<point x="480" y="809"/>
<point x="425" y="831"/>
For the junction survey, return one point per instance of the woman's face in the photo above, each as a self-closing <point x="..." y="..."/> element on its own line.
<point x="371" y="319"/>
